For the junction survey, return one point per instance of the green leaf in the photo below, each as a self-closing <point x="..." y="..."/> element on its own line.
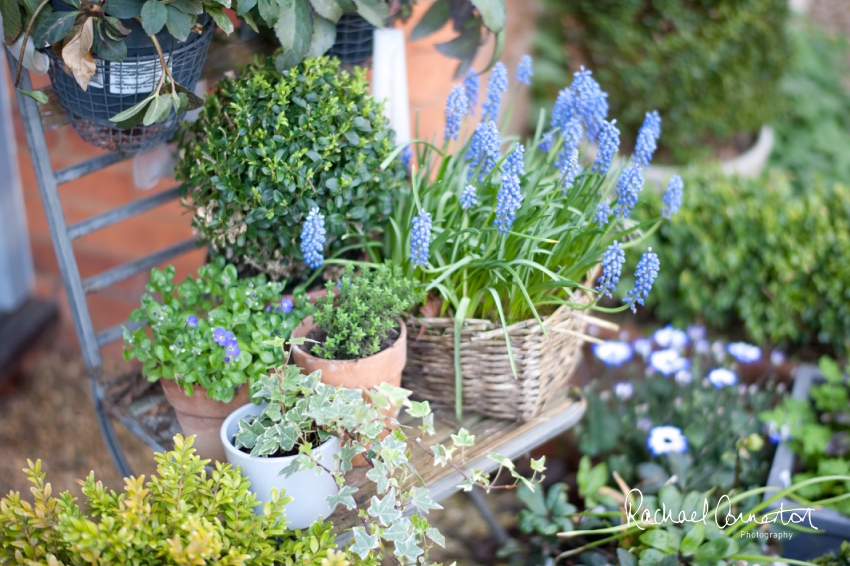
<point x="12" y="23"/>
<point x="434" y="19"/>
<point x="408" y="547"/>
<point x="154" y="16"/>
<point x="626" y="558"/>
<point x="54" y="28"/>
<point x="363" y="542"/>
<point x="107" y="48"/>
<point x="650" y="557"/>
<point x="384" y="510"/>
<point x="324" y="36"/>
<point x="376" y="12"/>
<point x="270" y="10"/>
<point x="343" y="497"/>
<point x="179" y="24"/>
<point x="655" y="538"/>
<point x="498" y="47"/>
<point x="463" y="46"/>
<point x="192" y="7"/>
<point x="132" y="117"/>
<point x="158" y="111"/>
<point x="492" y="12"/>
<point x="114" y="28"/>
<point x="716" y="549"/>
<point x="37" y="95"/>
<point x="294" y="30"/>
<point x="692" y="539"/>
<point x="221" y="20"/>
<point x="195" y="101"/>
<point x="124" y="9"/>
<point x="328" y="9"/>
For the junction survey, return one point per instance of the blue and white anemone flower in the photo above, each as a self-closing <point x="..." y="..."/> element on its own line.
<point x="666" y="440"/>
<point x="668" y="362"/>
<point x="669" y="337"/>
<point x="624" y="390"/>
<point x="744" y="353"/>
<point x="613" y="352"/>
<point x="722" y="377"/>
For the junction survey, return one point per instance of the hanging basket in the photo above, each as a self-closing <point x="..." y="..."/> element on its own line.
<point x="354" y="40"/>
<point x="116" y="87"/>
<point x="544" y="364"/>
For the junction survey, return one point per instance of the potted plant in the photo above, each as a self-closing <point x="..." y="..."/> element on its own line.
<point x="518" y="235"/>
<point x="183" y="515"/>
<point x="207" y="342"/>
<point x="308" y="138"/>
<point x="355" y="336"/>
<point x="812" y="427"/>
<point x="679" y="58"/>
<point x="121" y="66"/>
<point x="308" y="412"/>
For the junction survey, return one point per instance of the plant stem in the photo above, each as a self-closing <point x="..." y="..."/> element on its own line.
<point x="24" y="42"/>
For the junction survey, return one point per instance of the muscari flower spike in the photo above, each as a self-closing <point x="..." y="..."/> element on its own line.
<point x="484" y="149"/>
<point x="508" y="201"/>
<point x="468" y="198"/>
<point x="515" y="163"/>
<point x="647" y="139"/>
<point x="524" y="70"/>
<point x="672" y="199"/>
<point x="313" y="239"/>
<point x="420" y="239"/>
<point x="569" y="168"/>
<point x="629" y="185"/>
<point x="456" y="108"/>
<point x="612" y="267"/>
<point x="608" y="141"/>
<point x="471" y="82"/>
<point x="496" y="86"/>
<point x="603" y="213"/>
<point x="406" y="156"/>
<point x="590" y="102"/>
<point x="645" y="274"/>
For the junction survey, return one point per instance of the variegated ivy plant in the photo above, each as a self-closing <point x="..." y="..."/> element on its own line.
<point x="303" y="412"/>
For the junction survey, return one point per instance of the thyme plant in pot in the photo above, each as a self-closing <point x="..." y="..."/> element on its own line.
<point x="356" y="338"/>
<point x="508" y="244"/>
<point x="285" y="144"/>
<point x="207" y="342"/>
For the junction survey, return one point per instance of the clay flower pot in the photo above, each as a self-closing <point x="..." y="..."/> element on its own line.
<point x="369" y="372"/>
<point x="203" y="417"/>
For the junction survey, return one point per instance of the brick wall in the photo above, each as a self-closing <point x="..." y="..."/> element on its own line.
<point x="429" y="77"/>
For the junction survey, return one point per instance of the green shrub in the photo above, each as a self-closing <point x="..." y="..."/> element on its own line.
<point x="754" y="251"/>
<point x="213" y="331"/>
<point x="270" y="146"/>
<point x="840" y="557"/>
<point x="359" y="312"/>
<point x="710" y="67"/>
<point x="181" y="516"/>
<point x="813" y="132"/>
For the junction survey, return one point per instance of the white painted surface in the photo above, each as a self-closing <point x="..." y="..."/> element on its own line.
<point x="389" y="80"/>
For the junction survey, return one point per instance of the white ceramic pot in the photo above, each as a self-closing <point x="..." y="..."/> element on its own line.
<point x="307" y="489"/>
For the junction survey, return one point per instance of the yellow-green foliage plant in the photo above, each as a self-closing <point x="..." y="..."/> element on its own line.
<point x="182" y="516"/>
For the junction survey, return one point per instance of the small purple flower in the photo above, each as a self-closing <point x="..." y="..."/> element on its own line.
<point x="569" y="167"/>
<point x="629" y="185"/>
<point x="483" y="149"/>
<point x="406" y="155"/>
<point x="456" y="108"/>
<point x="515" y="162"/>
<point x="420" y="239"/>
<point x="612" y="266"/>
<point x="220" y="336"/>
<point x="590" y="102"/>
<point x="468" y="198"/>
<point x="179" y="342"/>
<point x="524" y="71"/>
<point x="778" y="433"/>
<point x="232" y="350"/>
<point x="286" y="304"/>
<point x="268" y="308"/>
<point x="192" y="321"/>
<point x="645" y="274"/>
<point x="672" y="199"/>
<point x="497" y="84"/>
<point x="608" y="142"/>
<point x="229" y="339"/>
<point x="603" y="212"/>
<point x="227" y="359"/>
<point x="777" y="358"/>
<point x="508" y="202"/>
<point x="647" y="139"/>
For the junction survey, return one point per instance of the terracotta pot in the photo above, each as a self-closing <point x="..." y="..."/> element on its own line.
<point x="383" y="367"/>
<point x="203" y="417"/>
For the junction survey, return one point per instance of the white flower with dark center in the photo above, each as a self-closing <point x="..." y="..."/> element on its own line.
<point x="624" y="390"/>
<point x="668" y="362"/>
<point x="669" y="337"/>
<point x="643" y="346"/>
<point x="613" y="353"/>
<point x="666" y="440"/>
<point x="722" y="377"/>
<point x="744" y="353"/>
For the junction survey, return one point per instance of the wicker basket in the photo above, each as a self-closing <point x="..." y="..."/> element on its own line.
<point x="544" y="364"/>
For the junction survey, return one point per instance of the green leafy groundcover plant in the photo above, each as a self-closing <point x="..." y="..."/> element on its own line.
<point x="213" y="331"/>
<point x="757" y="252"/>
<point x="359" y="312"/>
<point x="268" y="147"/>
<point x="818" y="430"/>
<point x="711" y="68"/>
<point x="182" y="516"/>
<point x="813" y="131"/>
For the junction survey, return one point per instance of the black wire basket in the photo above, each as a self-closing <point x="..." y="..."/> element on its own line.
<point x="116" y="87"/>
<point x="354" y="40"/>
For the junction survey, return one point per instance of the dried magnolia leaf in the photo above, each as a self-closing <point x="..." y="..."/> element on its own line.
<point x="77" y="53"/>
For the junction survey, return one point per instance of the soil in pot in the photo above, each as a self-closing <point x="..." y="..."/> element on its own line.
<point x="319" y="335"/>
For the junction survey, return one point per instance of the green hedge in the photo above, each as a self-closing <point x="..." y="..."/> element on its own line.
<point x="710" y="67"/>
<point x="760" y="253"/>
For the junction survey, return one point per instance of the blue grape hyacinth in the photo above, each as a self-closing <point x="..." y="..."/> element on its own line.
<point x="672" y="199"/>
<point x="612" y="267"/>
<point x="645" y="274"/>
<point x="471" y="83"/>
<point x="608" y="142"/>
<point x="496" y="87"/>
<point x="508" y="202"/>
<point x="484" y="149"/>
<point x="515" y="163"/>
<point x="564" y="110"/>
<point x="629" y="186"/>
<point x="603" y="213"/>
<point x="590" y="102"/>
<point x="524" y="70"/>
<point x="647" y="139"/>
<point x="456" y="108"/>
<point x="406" y="155"/>
<point x="420" y="239"/>
<point x="569" y="167"/>
<point x="468" y="198"/>
<point x="313" y="239"/>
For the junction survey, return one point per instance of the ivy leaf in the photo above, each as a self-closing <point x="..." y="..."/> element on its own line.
<point x="538" y="465"/>
<point x="442" y="455"/>
<point x="294" y="30"/>
<point x="54" y="28"/>
<point x="384" y="509"/>
<point x="249" y="433"/>
<point x="343" y="497"/>
<point x="420" y="498"/>
<point x="363" y="542"/>
<point x="399" y="531"/>
<point x="417" y="409"/>
<point x="408" y="548"/>
<point x="504" y="462"/>
<point x="328" y="9"/>
<point x="376" y="12"/>
<point x="294" y="467"/>
<point x="154" y="15"/>
<point x="436" y="536"/>
<point x="434" y="19"/>
<point x="286" y="436"/>
<point x="463" y="438"/>
<point x="492" y="12"/>
<point x="324" y="36"/>
<point x="380" y="475"/>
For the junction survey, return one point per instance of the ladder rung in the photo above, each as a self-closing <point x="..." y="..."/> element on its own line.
<point x="114" y="333"/>
<point x="121" y="213"/>
<point x="112" y="276"/>
<point x="90" y="166"/>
